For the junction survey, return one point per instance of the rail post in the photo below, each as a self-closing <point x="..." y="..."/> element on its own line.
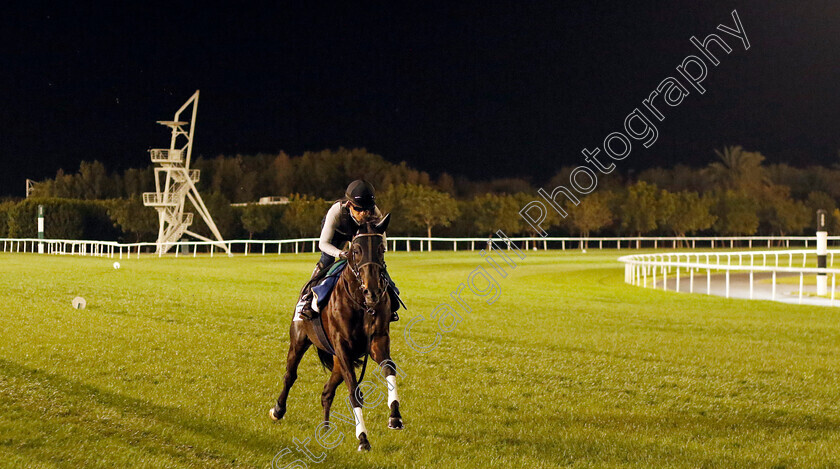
<point x="40" y="229"/>
<point x="822" y="249"/>
<point x="691" y="280"/>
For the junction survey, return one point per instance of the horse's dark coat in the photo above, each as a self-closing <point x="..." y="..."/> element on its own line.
<point x="358" y="311"/>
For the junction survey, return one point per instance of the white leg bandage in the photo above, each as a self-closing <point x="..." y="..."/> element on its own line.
<point x="392" y="389"/>
<point x="360" y="421"/>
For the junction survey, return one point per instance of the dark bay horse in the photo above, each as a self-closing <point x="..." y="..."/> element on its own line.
<point x="356" y="322"/>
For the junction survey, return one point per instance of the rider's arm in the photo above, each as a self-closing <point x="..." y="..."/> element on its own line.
<point x="327" y="233"/>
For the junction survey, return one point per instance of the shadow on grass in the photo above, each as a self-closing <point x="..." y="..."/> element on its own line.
<point x="141" y="435"/>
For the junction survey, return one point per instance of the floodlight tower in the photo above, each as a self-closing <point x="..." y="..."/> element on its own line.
<point x="175" y="183"/>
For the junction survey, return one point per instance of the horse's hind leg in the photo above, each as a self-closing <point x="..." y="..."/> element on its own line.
<point x="356" y="399"/>
<point x="298" y="344"/>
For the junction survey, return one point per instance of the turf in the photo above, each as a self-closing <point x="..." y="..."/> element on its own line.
<point x="175" y="362"/>
<point x="794" y="280"/>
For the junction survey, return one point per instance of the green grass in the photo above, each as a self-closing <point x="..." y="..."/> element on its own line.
<point x="807" y="280"/>
<point x="794" y="280"/>
<point x="175" y="362"/>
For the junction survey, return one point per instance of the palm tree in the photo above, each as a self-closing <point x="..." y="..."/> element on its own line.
<point x="738" y="170"/>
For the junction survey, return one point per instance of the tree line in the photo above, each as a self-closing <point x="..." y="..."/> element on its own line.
<point x="737" y="194"/>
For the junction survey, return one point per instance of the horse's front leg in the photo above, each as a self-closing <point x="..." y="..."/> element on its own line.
<point x="356" y="398"/>
<point x="380" y="351"/>
<point x="329" y="389"/>
<point x="298" y="344"/>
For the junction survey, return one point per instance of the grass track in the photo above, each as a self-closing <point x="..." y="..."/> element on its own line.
<point x="175" y="362"/>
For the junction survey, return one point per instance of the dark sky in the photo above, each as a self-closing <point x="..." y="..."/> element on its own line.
<point x="483" y="89"/>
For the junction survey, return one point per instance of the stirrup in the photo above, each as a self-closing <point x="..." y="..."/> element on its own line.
<point x="395" y="317"/>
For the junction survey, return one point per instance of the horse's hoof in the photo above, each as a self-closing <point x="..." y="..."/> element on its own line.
<point x="275" y="413"/>
<point x="395" y="420"/>
<point x="363" y="443"/>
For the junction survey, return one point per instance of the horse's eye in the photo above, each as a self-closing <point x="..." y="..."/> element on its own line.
<point x="381" y="249"/>
<point x="357" y="250"/>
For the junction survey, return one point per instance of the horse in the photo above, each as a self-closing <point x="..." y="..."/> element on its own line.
<point x="356" y="323"/>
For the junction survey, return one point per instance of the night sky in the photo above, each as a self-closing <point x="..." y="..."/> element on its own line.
<point x="481" y="89"/>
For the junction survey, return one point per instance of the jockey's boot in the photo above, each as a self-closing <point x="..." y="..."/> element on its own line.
<point x="304" y="305"/>
<point x="303" y="309"/>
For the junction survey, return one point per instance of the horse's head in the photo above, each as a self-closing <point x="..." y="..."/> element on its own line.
<point x="367" y="260"/>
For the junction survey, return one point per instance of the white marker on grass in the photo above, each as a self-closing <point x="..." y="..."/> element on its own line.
<point x="79" y="302"/>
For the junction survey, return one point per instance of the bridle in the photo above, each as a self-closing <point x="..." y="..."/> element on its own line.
<point x="356" y="265"/>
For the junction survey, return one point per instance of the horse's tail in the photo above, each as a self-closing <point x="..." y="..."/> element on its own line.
<point x="326" y="359"/>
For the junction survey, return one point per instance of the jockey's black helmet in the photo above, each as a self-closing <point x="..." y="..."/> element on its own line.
<point x="361" y="194"/>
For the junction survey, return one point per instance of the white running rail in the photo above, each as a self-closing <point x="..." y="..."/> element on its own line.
<point x="409" y="243"/>
<point x="396" y="243"/>
<point x="658" y="269"/>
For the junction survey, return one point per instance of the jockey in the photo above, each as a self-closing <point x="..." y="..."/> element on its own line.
<point x="339" y="225"/>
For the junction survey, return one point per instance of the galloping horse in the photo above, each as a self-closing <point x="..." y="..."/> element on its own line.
<point x="356" y="322"/>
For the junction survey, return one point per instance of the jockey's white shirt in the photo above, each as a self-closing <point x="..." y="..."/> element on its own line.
<point x="330" y="223"/>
